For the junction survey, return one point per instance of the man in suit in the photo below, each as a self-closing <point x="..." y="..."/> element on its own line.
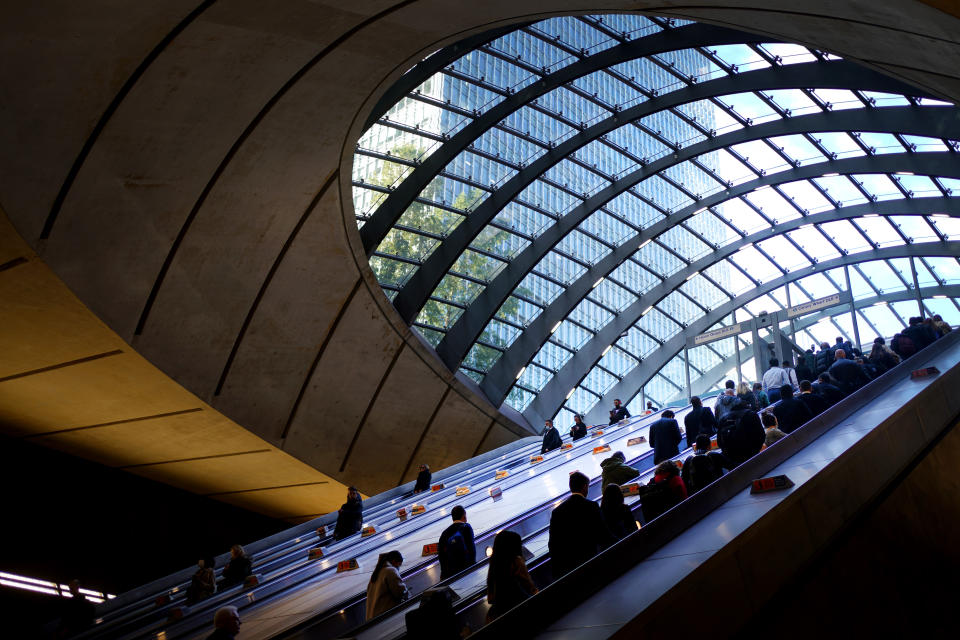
<point x="791" y="413"/>
<point x="551" y="437"/>
<point x="817" y="404"/>
<point x="577" y="530"/>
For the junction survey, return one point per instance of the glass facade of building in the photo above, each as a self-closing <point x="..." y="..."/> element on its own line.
<point x="557" y="209"/>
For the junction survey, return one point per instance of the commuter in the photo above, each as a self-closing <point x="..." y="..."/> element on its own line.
<point x="435" y="618"/>
<point x="386" y="588"/>
<point x="76" y="612"/>
<point x="806" y="365"/>
<point x="508" y="583"/>
<point x="203" y="584"/>
<point x="551" y="437"/>
<point x="745" y="393"/>
<point x="665" y="491"/>
<point x="791" y="412"/>
<point x="703" y="467"/>
<point x="868" y="367"/>
<point x="940" y="326"/>
<point x="423" y="479"/>
<point x="773" y="432"/>
<point x="613" y="417"/>
<point x="619" y="411"/>
<point x="740" y="435"/>
<point x="824" y="387"/>
<point x="762" y="400"/>
<point x="843" y="344"/>
<point x="849" y="375"/>
<point x="699" y="420"/>
<point x="616" y="515"/>
<point x="665" y="437"/>
<point x="579" y="428"/>
<point x="226" y="624"/>
<point x="577" y="531"/>
<point x="791" y="374"/>
<point x="615" y="470"/>
<point x="237" y="569"/>
<point x="920" y="334"/>
<point x="882" y="357"/>
<point x="651" y="407"/>
<point x="824" y="358"/>
<point x="725" y="402"/>
<point x="774" y="378"/>
<point x="817" y="404"/>
<point x="455" y="549"/>
<point x="350" y="515"/>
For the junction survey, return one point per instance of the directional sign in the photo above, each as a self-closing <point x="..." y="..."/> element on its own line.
<point x="718" y="334"/>
<point x="923" y="373"/>
<point x="496" y="493"/>
<point x="773" y="483"/>
<point x="462" y="491"/>
<point x="437" y="487"/>
<point x="315" y="554"/>
<point x="402" y="514"/>
<point x="417" y="509"/>
<point x="635" y="441"/>
<point x="367" y="531"/>
<point x="819" y="303"/>
<point x="536" y="459"/>
<point x="429" y="550"/>
<point x="597" y="433"/>
<point x="601" y="449"/>
<point x="503" y="473"/>
<point x="566" y="447"/>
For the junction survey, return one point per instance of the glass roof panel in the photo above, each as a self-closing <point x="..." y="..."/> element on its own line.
<point x="794" y="100"/>
<point x="839" y="143"/>
<point x="755" y="265"/>
<point x="886" y="99"/>
<point x="806" y="196"/>
<point x="477" y="265"/>
<point x="603" y="225"/>
<point x="582" y="247"/>
<point x="813" y="242"/>
<point x="881" y="142"/>
<point x="772" y="205"/>
<point x="921" y="143"/>
<point x="881" y="276"/>
<point x="799" y="149"/>
<point x="751" y="107"/>
<point x="499" y="333"/>
<point x="741" y="216"/>
<point x="947" y="270"/>
<point x="878" y="231"/>
<point x="838" y="99"/>
<point x="559" y="268"/>
<point x="634" y="278"/>
<point x="658" y="325"/>
<point x="684" y="243"/>
<point x="841" y="189"/>
<point x="915" y="228"/>
<point x="612" y="295"/>
<point x="741" y="56"/>
<point x="789" y="53"/>
<point x="948" y="226"/>
<point x="759" y="154"/>
<point x="786" y="255"/>
<point x="617" y="361"/>
<point x="878" y="185"/>
<point x="846" y="236"/>
<point x="920" y="186"/>
<point x="571" y="335"/>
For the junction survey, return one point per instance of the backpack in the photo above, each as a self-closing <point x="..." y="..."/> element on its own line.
<point x="703" y="471"/>
<point x="455" y="551"/>
<point x="905" y="346"/>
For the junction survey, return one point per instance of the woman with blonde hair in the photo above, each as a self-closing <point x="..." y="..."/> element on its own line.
<point x="745" y="393"/>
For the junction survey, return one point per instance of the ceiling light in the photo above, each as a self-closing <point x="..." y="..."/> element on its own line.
<point x="520" y="373"/>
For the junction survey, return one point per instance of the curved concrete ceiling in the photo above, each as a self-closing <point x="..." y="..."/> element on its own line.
<point x="182" y="168"/>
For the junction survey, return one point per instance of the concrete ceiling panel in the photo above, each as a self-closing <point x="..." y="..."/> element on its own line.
<point x="339" y="392"/>
<point x="454" y="435"/>
<point x="387" y="438"/>
<point x="290" y="323"/>
<point x="65" y="62"/>
<point x="496" y="437"/>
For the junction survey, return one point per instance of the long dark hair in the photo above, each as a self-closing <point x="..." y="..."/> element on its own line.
<point x="612" y="497"/>
<point x="507" y="546"/>
<point x="389" y="556"/>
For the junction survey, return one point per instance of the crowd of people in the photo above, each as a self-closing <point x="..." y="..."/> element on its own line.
<point x="745" y="419"/>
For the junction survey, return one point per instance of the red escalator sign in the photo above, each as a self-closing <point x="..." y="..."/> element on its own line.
<point x="402" y="514"/>
<point x="417" y="509"/>
<point x="632" y="489"/>
<point x="462" y="491"/>
<point x="347" y="565"/>
<point x="597" y="433"/>
<point x="430" y="549"/>
<point x="367" y="531"/>
<point x="536" y="459"/>
<point x="566" y="447"/>
<point x="773" y="483"/>
<point x="601" y="449"/>
<point x="635" y="441"/>
<point x="315" y="554"/>
<point x="503" y="473"/>
<point x="923" y="373"/>
<point x="437" y="487"/>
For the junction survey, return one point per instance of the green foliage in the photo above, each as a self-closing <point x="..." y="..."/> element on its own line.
<point x="412" y="246"/>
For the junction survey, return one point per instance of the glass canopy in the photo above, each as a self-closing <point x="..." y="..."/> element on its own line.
<point x="559" y="208"/>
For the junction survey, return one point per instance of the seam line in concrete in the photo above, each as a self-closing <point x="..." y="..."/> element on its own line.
<point x="62" y="365"/>
<point x="155" y="416"/>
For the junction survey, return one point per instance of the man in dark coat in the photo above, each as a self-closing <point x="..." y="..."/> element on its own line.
<point x="423" y="479"/>
<point x="665" y="437"/>
<point x="831" y="393"/>
<point x="921" y="334"/>
<point x="456" y="550"/>
<point x="551" y="437"/>
<point x="619" y="412"/>
<point x="849" y="375"/>
<point x="579" y="428"/>
<point x="817" y="404"/>
<point x="740" y="435"/>
<point x="726" y="401"/>
<point x="699" y="420"/>
<point x="791" y="412"/>
<point x="350" y="517"/>
<point x="577" y="530"/>
<point x="824" y="358"/>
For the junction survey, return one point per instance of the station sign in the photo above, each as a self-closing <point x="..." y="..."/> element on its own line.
<point x="773" y="483"/>
<point x="347" y="565"/>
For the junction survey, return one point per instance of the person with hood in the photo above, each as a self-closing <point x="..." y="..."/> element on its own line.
<point x="551" y="437"/>
<point x="726" y="401"/>
<point x="616" y="470"/>
<point x="350" y="515"/>
<point x="579" y="428"/>
<point x="665" y="437"/>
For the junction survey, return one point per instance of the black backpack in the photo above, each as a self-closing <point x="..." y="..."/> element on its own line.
<point x="455" y="551"/>
<point x="703" y="471"/>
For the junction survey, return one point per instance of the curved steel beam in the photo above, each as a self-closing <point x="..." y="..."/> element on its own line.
<point x="694" y="35"/>
<point x="835" y="74"/>
<point x="499" y="379"/>
<point x="702" y="384"/>
<point x="552" y="396"/>
<point x="422" y="71"/>
<point x="935" y="122"/>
